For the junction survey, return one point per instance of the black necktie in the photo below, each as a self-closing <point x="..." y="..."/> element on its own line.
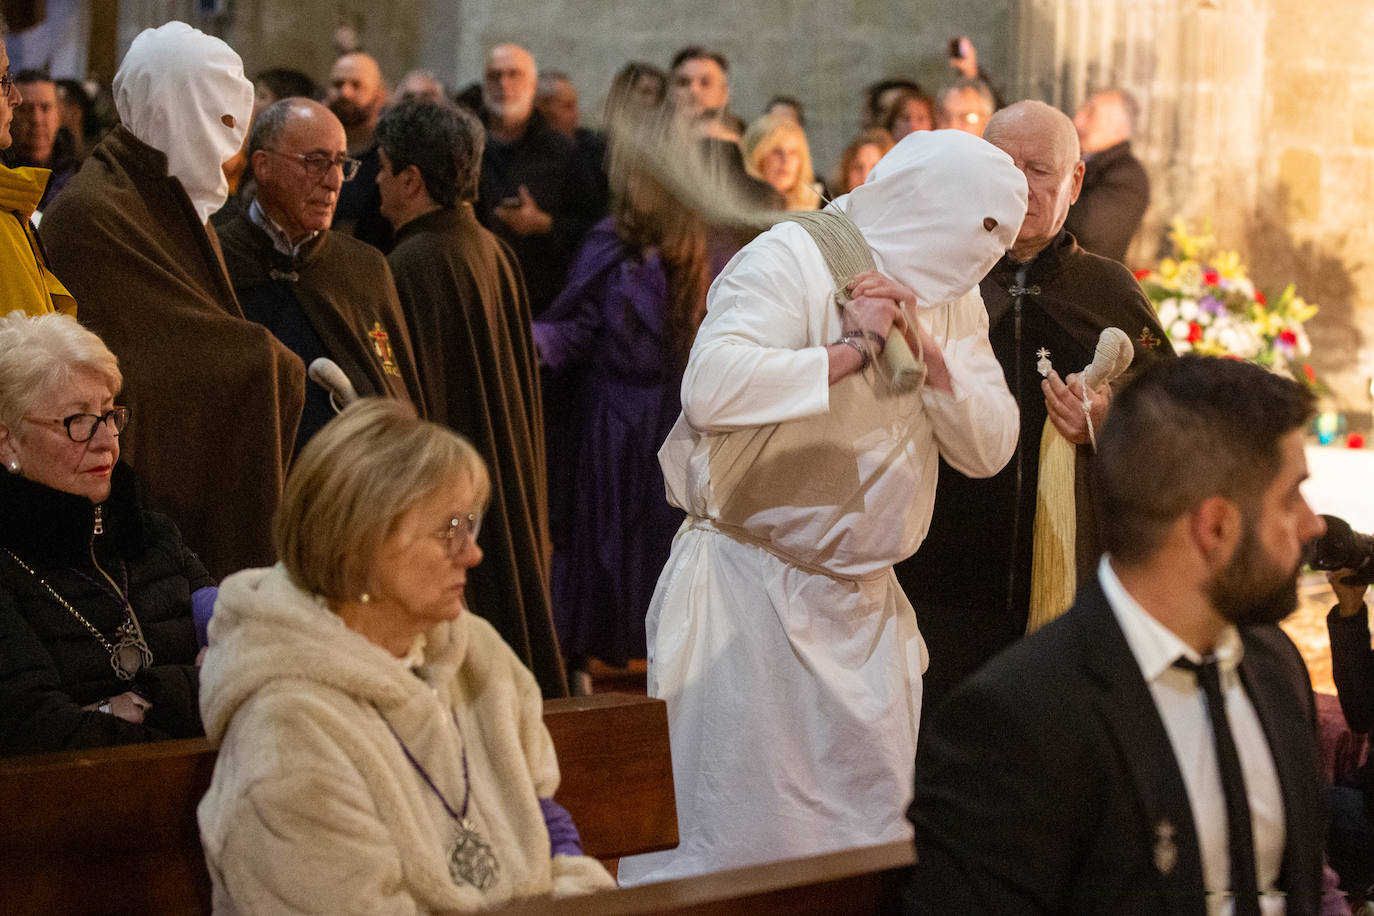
<point x="1244" y="887"/>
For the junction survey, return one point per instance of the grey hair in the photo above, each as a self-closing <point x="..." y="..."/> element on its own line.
<point x="977" y="85"/>
<point x="41" y="354"/>
<point x="269" y="124"/>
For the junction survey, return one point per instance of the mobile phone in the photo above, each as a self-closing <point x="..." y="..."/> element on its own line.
<point x="956" y="47"/>
<point x="510" y="202"/>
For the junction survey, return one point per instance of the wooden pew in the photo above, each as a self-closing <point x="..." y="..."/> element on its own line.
<point x="856" y="882"/>
<point x="617" y="772"/>
<point x="113" y="830"/>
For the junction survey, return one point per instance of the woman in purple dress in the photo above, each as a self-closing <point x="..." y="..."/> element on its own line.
<point x="621" y="330"/>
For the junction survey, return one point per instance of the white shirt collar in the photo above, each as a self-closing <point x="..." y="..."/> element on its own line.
<point x="1154" y="645"/>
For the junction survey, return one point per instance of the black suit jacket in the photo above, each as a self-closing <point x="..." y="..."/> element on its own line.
<point x="1047" y="783"/>
<point x="1109" y="209"/>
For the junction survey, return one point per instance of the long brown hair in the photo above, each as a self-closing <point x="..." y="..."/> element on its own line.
<point x="647" y="217"/>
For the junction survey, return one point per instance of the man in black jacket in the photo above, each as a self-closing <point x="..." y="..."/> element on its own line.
<point x="535" y="192"/>
<point x="1153" y="749"/>
<point x="1116" y="189"/>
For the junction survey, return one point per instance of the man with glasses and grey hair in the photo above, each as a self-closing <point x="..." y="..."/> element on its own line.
<point x="321" y="292"/>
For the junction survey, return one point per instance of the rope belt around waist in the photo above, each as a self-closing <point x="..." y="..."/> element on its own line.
<point x="736" y="533"/>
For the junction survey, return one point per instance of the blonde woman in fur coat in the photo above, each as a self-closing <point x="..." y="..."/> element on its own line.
<point x="382" y="750"/>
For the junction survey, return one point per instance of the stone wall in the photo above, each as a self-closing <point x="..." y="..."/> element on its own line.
<point x="822" y="52"/>
<point x="1258" y="117"/>
<point x="1258" y="114"/>
<point x="1312" y="221"/>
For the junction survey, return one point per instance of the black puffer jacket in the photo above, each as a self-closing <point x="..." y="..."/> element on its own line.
<point x="50" y="664"/>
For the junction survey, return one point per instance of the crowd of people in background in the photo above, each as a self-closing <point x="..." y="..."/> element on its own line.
<point x="248" y="259"/>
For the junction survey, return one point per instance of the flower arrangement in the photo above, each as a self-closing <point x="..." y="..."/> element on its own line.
<point x="1207" y="305"/>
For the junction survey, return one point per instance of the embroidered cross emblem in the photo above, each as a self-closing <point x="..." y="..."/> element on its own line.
<point x="1147" y="339"/>
<point x="381" y="345"/>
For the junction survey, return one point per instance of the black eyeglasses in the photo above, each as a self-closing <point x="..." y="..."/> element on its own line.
<point x="81" y="427"/>
<point x="317" y="164"/>
<point x="6" y="83"/>
<point x="455" y="534"/>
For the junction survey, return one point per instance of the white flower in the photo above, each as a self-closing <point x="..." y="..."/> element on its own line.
<point x="1179" y="330"/>
<point x="1168" y="312"/>
<point x="1187" y="310"/>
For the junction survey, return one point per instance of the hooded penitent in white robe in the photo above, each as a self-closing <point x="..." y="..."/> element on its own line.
<point x="789" y="657"/>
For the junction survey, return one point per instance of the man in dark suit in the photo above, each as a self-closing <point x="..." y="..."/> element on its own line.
<point x="1116" y="189"/>
<point x="1089" y="769"/>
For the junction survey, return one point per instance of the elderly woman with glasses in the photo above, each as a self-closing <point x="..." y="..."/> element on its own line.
<point x="382" y="750"/>
<point x="97" y="640"/>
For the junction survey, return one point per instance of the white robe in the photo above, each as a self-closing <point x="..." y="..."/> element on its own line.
<point x="788" y="655"/>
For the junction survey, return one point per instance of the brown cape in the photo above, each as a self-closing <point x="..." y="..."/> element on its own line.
<point x="470" y="320"/>
<point x="215" y="398"/>
<point x="345" y="289"/>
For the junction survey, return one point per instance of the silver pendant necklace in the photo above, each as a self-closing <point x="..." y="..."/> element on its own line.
<point x="470" y="858"/>
<point x="129" y="654"/>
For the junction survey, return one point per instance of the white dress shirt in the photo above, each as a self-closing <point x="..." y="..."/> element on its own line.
<point x="1183" y="707"/>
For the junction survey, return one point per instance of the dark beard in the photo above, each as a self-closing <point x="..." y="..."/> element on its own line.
<point x="1249" y="591"/>
<point x="349" y="114"/>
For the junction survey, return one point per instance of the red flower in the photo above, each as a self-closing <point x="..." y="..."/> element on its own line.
<point x="1194" y="332"/>
<point x="1259" y="297"/>
<point x="1307" y="371"/>
<point x="1288" y="337"/>
<point x="1142" y="274"/>
<point x="1211" y="277"/>
<point x="1354" y="440"/>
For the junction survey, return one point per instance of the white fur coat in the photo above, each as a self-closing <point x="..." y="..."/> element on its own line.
<point x="314" y="807"/>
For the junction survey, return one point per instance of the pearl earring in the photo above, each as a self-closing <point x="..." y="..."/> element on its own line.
<point x="13" y="466"/>
<point x="364" y="598"/>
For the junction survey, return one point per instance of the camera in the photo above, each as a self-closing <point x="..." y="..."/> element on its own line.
<point x="1341" y="547"/>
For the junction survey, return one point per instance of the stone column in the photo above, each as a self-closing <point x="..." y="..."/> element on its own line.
<point x="1257" y="115"/>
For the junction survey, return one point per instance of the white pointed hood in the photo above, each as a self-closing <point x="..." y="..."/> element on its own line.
<point x="173" y="91"/>
<point x="939" y="210"/>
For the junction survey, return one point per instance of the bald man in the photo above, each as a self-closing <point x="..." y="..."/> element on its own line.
<point x="970" y="581"/>
<point x="1116" y="189"/>
<point x="320" y="292"/>
<point x="356" y="94"/>
<point x="535" y="191"/>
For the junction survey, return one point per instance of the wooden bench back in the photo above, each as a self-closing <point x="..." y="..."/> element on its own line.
<point x="856" y="882"/>
<point x="113" y="830"/>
